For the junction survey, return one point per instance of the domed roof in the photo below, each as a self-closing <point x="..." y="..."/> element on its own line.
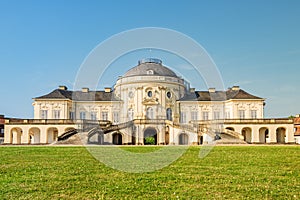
<point x="150" y="66"/>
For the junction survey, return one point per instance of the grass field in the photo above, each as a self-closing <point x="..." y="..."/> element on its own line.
<point x="229" y="172"/>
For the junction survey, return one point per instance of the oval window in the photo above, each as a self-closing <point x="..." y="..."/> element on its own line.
<point x="149" y="93"/>
<point x="169" y="95"/>
<point x="131" y="94"/>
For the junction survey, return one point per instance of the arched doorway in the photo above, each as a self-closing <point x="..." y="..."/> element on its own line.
<point x="16" y="134"/>
<point x="280" y="135"/>
<point x="183" y="139"/>
<point x="34" y="136"/>
<point x="247" y="133"/>
<point x="117" y="139"/>
<point x="167" y="136"/>
<point x="263" y="135"/>
<point x="52" y="134"/>
<point x="150" y="136"/>
<point x="200" y="139"/>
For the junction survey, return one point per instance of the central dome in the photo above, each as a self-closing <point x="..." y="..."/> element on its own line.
<point x="150" y="66"/>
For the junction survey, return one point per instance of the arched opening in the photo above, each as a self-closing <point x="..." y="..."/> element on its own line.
<point x="117" y="139"/>
<point x="52" y="134"/>
<point x="16" y="134"/>
<point x="280" y="135"/>
<point x="169" y="114"/>
<point x="263" y="135"/>
<point x="150" y="136"/>
<point x="247" y="133"/>
<point x="230" y="128"/>
<point x="183" y="139"/>
<point x="34" y="135"/>
<point x="167" y="136"/>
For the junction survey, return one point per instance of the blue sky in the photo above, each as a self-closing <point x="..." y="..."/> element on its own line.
<point x="255" y="44"/>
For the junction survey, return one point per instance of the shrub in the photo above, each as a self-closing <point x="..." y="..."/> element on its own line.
<point x="149" y="140"/>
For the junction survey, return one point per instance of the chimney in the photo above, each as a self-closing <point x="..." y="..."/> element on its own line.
<point x="85" y="90"/>
<point x="211" y="90"/>
<point x="107" y="89"/>
<point x="192" y="90"/>
<point x="62" y="87"/>
<point x="235" y="88"/>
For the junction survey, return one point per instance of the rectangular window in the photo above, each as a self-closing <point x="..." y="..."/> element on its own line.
<point x="72" y="115"/>
<point x="194" y="115"/>
<point x="44" y="114"/>
<point x="253" y="114"/>
<point x="56" y="114"/>
<point x="104" y="115"/>
<point x="93" y="116"/>
<point x="82" y="115"/>
<point x="182" y="117"/>
<point x="241" y="114"/>
<point x="116" y="117"/>
<point x="216" y="115"/>
<point x="205" y="115"/>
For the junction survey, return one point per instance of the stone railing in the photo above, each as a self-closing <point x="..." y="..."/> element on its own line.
<point x="56" y="121"/>
<point x="233" y="133"/>
<point x="150" y="121"/>
<point x="42" y="121"/>
<point x="187" y="127"/>
<point x="245" y="121"/>
<point x="118" y="127"/>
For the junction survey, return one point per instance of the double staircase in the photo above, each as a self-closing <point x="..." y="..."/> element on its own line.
<point x="93" y="129"/>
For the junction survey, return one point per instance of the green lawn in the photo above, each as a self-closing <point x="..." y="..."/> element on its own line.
<point x="229" y="172"/>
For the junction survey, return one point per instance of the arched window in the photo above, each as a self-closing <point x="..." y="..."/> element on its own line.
<point x="149" y="113"/>
<point x="130" y="114"/>
<point x="169" y="114"/>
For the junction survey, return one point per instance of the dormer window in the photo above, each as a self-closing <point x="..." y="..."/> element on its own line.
<point x="150" y="72"/>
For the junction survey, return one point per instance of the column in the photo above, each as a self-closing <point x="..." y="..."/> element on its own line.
<point x="43" y="134"/>
<point x="272" y="134"/>
<point x="25" y="136"/>
<point x="289" y="134"/>
<point x="255" y="134"/>
<point x="7" y="136"/>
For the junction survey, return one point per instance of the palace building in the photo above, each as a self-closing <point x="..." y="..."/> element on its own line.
<point x="149" y="104"/>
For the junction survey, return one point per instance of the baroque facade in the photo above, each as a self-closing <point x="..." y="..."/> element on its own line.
<point x="150" y="104"/>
